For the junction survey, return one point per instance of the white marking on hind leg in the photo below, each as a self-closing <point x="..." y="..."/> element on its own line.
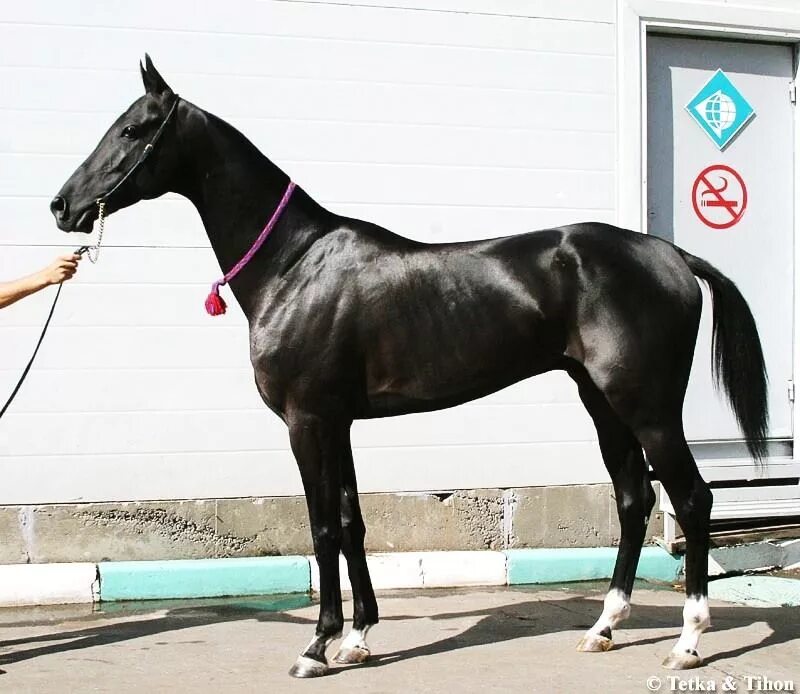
<point x="357" y="638"/>
<point x="696" y="619"/>
<point x="354" y="648"/>
<point x="616" y="608"/>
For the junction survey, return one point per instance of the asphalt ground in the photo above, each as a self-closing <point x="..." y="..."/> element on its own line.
<point x="476" y="640"/>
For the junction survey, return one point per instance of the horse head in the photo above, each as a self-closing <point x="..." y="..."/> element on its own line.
<point x="120" y="170"/>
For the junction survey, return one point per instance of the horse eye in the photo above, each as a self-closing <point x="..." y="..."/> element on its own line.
<point x="129" y="131"/>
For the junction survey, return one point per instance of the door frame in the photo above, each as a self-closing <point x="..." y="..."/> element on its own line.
<point x="636" y="19"/>
<point x="703" y="19"/>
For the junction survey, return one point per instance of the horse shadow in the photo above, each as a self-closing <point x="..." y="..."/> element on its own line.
<point x="527" y="619"/>
<point x="496" y="624"/>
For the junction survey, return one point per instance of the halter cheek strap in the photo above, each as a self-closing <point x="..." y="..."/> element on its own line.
<point x="148" y="148"/>
<point x="215" y="304"/>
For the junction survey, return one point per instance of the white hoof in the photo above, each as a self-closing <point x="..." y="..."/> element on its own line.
<point x="682" y="661"/>
<point x="350" y="656"/>
<point x="594" y="643"/>
<point x="308" y="667"/>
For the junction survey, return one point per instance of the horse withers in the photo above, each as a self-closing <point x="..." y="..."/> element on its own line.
<point x="351" y="321"/>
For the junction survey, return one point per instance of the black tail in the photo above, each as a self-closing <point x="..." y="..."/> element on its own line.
<point x="737" y="359"/>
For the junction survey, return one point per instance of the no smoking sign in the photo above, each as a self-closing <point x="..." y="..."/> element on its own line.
<point x="719" y="196"/>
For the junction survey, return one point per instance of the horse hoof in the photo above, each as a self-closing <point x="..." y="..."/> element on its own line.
<point x="308" y="667"/>
<point x="594" y="643"/>
<point x="683" y="661"/>
<point x="351" y="656"/>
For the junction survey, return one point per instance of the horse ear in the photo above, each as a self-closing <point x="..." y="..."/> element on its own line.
<point x="153" y="82"/>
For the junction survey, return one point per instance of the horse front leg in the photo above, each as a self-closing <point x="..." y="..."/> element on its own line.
<point x="354" y="648"/>
<point x="317" y="445"/>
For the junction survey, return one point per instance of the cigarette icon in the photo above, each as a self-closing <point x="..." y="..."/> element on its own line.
<point x="727" y="204"/>
<point x="719" y="201"/>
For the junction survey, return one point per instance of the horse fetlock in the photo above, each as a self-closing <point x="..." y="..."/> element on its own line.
<point x="354" y="648"/>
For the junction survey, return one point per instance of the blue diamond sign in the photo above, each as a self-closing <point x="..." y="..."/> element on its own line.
<point x="720" y="109"/>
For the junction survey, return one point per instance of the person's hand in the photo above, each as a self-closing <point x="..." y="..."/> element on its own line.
<point x="61" y="269"/>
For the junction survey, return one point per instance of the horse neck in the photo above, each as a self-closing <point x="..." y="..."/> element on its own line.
<point x="236" y="189"/>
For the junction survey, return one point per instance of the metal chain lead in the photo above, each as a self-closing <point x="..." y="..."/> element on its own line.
<point x="93" y="252"/>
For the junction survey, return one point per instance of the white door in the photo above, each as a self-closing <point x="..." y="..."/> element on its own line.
<point x="720" y="185"/>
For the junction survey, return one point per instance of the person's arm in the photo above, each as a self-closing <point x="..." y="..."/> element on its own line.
<point x="60" y="270"/>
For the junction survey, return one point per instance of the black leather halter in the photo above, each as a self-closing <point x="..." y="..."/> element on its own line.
<point x="145" y="153"/>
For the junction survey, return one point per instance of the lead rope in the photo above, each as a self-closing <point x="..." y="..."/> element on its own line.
<point x="93" y="252"/>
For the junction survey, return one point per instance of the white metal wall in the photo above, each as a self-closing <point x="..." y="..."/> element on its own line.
<point x="436" y="123"/>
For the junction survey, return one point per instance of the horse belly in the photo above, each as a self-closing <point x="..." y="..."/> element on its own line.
<point x="410" y="372"/>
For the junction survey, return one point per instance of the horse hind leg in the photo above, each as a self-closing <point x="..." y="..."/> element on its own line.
<point x="635" y="498"/>
<point x="642" y="369"/>
<point x="691" y="497"/>
<point x="656" y="424"/>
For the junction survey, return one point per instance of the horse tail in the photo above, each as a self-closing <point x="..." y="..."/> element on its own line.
<point x="737" y="359"/>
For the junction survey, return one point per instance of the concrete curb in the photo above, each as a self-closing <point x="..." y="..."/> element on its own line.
<point x="48" y="584"/>
<point x="202" y="578"/>
<point x="30" y="584"/>
<point x="583" y="564"/>
<point x="754" y="556"/>
<point x="426" y="570"/>
<point x="757" y="591"/>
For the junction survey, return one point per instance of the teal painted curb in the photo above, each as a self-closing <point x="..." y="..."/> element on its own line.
<point x="203" y="578"/>
<point x="757" y="591"/>
<point x="584" y="564"/>
<point x="213" y="578"/>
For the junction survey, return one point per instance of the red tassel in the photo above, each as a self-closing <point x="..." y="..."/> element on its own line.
<point x="215" y="304"/>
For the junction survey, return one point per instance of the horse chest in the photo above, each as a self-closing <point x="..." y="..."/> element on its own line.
<point x="285" y="358"/>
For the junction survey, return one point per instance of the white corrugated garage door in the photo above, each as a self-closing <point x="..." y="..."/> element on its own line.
<point x="439" y="124"/>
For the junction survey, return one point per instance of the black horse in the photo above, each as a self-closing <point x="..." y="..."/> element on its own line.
<point x="350" y="321"/>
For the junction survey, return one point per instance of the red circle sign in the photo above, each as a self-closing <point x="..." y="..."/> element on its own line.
<point x="719" y="196"/>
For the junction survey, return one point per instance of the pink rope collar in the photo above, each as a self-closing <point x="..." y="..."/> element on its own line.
<point x="215" y="304"/>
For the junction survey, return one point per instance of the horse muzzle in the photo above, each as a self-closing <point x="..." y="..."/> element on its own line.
<point x="69" y="220"/>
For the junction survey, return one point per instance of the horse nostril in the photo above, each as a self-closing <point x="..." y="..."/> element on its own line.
<point x="58" y="206"/>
